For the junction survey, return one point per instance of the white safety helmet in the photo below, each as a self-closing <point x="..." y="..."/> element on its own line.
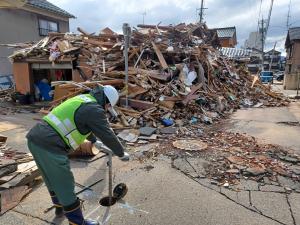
<point x="112" y="94"/>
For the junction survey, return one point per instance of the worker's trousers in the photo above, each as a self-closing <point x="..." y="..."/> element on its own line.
<point x="56" y="172"/>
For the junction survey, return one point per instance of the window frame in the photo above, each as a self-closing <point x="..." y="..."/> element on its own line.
<point x="44" y="31"/>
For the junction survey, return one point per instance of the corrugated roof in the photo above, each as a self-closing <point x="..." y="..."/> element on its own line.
<point x="45" y="5"/>
<point x="226" y="32"/>
<point x="294" y="33"/>
<point x="236" y="53"/>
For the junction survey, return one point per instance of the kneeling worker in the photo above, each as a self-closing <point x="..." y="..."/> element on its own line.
<point x="61" y="132"/>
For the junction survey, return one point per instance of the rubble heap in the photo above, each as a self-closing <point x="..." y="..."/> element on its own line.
<point x="176" y="73"/>
<point x="227" y="158"/>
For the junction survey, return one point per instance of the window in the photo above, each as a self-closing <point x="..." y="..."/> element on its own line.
<point x="46" y="26"/>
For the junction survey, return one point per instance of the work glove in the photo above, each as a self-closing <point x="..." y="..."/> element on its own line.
<point x="125" y="157"/>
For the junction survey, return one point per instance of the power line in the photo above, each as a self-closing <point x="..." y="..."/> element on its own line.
<point x="269" y="17"/>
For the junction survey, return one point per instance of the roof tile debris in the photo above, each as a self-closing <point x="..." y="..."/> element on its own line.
<point x="226" y="32"/>
<point x="235" y="53"/>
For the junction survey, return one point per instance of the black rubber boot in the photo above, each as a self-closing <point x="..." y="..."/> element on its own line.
<point x="59" y="211"/>
<point x="74" y="215"/>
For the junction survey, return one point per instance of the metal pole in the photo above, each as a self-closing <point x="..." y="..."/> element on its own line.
<point x="298" y="78"/>
<point x="144" y="14"/>
<point x="262" y="44"/>
<point x="126" y="32"/>
<point x="110" y="177"/>
<point x="201" y="11"/>
<point x="106" y="150"/>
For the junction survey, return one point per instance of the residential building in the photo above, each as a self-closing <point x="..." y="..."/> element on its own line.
<point x="292" y="69"/>
<point x="28" y="22"/>
<point x="272" y="60"/>
<point x="227" y="36"/>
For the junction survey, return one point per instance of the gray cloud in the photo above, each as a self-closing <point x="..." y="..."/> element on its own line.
<point x="93" y="15"/>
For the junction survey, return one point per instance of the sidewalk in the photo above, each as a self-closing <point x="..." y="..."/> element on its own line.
<point x="278" y="87"/>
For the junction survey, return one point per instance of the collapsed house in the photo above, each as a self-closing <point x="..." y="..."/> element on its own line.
<point x="176" y="73"/>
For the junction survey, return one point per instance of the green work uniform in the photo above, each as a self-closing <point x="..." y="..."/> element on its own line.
<point x="56" y="173"/>
<point x="50" y="150"/>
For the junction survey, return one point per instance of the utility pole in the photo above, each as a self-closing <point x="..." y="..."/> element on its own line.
<point x="298" y="82"/>
<point x="144" y="15"/>
<point x="262" y="31"/>
<point x="288" y="16"/>
<point x="201" y="11"/>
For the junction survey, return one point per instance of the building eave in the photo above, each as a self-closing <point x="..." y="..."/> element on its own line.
<point x="45" y="13"/>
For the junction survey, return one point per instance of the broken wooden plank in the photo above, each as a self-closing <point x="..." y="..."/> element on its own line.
<point x="26" y="173"/>
<point x="99" y="43"/>
<point x="137" y="104"/>
<point x="22" y="179"/>
<point x="155" y="27"/>
<point x="8" y="169"/>
<point x="160" y="56"/>
<point x="128" y="112"/>
<point x="11" y="198"/>
<point x="83" y="31"/>
<point x="55" y="102"/>
<point x="133" y="91"/>
<point x="6" y="162"/>
<point x="7" y="178"/>
<point x="3" y="138"/>
<point x="168" y="104"/>
<point x="91" y="84"/>
<point x="191" y="95"/>
<point x="155" y="74"/>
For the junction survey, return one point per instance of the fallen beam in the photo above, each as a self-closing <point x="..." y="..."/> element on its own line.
<point x="137" y="104"/>
<point x="161" y="58"/>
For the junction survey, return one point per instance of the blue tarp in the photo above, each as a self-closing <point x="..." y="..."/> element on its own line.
<point x="6" y="82"/>
<point x="44" y="91"/>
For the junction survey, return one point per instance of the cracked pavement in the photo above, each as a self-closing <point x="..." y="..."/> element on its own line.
<point x="270" y="201"/>
<point x="163" y="191"/>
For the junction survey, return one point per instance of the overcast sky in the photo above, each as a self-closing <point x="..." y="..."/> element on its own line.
<point x="93" y="15"/>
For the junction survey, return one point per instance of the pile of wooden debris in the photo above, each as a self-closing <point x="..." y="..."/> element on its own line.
<point x="177" y="75"/>
<point x="18" y="172"/>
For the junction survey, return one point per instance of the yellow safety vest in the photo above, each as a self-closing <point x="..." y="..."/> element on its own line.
<point x="61" y="118"/>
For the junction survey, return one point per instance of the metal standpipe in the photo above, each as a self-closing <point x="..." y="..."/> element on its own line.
<point x="106" y="150"/>
<point x="110" y="193"/>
